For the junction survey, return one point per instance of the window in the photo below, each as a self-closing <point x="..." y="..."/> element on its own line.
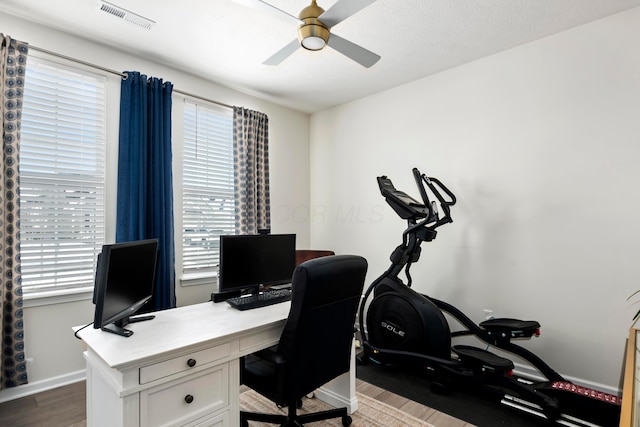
<point x="207" y="186"/>
<point x="62" y="176"/>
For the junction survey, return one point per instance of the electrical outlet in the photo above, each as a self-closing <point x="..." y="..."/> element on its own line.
<point x="488" y="314"/>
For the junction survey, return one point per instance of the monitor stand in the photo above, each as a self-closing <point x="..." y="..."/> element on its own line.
<point x="118" y="326"/>
<point x="223" y="296"/>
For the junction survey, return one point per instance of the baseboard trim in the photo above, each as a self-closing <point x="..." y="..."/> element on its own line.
<point x="40" y="386"/>
<point x="336" y="400"/>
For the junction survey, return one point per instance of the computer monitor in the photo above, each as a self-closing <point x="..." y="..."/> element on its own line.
<point x="250" y="261"/>
<point x="125" y="276"/>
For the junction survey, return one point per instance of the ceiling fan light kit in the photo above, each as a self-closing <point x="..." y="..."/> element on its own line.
<point x="313" y="33"/>
<point x="313" y="36"/>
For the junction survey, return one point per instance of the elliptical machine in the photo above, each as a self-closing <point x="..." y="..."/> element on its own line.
<point x="404" y="326"/>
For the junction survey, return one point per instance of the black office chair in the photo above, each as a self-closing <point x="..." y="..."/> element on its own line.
<point x="315" y="345"/>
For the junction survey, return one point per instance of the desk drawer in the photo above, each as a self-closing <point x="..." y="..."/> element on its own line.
<point x="181" y="401"/>
<point x="217" y="421"/>
<point x="183" y="363"/>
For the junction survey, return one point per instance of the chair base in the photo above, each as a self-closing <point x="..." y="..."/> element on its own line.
<point x="293" y="419"/>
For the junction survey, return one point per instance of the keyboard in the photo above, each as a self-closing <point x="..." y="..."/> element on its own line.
<point x="263" y="299"/>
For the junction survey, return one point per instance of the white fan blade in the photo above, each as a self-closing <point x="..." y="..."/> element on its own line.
<point x="342" y="10"/>
<point x="283" y="53"/>
<point x="359" y="54"/>
<point x="263" y="5"/>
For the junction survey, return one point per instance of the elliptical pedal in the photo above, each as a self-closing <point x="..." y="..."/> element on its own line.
<point x="507" y="328"/>
<point x="483" y="360"/>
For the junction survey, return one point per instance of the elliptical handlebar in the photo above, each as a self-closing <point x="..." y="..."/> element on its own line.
<point x="437" y="188"/>
<point x="422" y="217"/>
<point x="429" y="181"/>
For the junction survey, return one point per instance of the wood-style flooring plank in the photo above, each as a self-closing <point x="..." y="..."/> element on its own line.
<point x="418" y="410"/>
<point x="60" y="407"/>
<point x="368" y="389"/>
<point x="441" y="419"/>
<point x="392" y="399"/>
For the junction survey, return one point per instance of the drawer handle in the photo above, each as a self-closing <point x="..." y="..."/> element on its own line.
<point x="188" y="398"/>
<point x="191" y="363"/>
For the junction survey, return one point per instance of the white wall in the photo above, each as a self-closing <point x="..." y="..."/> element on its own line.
<point x="49" y="342"/>
<point x="541" y="145"/>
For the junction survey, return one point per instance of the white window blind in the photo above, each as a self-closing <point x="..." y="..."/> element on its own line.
<point x="61" y="176"/>
<point x="208" y="202"/>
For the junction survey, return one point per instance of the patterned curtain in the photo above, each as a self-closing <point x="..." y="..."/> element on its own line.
<point x="251" y="183"/>
<point x="13" y="57"/>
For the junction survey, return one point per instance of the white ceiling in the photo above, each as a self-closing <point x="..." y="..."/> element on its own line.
<point x="226" y="41"/>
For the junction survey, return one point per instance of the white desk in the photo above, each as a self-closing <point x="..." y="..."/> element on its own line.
<point x="182" y="368"/>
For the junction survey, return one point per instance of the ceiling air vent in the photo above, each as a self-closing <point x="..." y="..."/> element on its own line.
<point x="125" y="15"/>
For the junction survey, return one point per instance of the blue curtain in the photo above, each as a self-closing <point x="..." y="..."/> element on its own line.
<point x="145" y="191"/>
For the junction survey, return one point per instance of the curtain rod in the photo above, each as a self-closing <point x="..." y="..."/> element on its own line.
<point x="121" y="74"/>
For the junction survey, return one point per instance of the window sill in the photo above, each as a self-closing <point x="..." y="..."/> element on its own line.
<point x="57" y="297"/>
<point x="86" y="294"/>
<point x="198" y="279"/>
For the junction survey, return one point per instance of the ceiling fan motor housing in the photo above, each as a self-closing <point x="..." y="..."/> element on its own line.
<point x="313" y="33"/>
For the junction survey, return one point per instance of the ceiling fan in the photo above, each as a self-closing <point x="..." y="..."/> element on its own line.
<point x="314" y="30"/>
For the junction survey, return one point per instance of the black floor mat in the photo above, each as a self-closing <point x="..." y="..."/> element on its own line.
<point x="480" y="410"/>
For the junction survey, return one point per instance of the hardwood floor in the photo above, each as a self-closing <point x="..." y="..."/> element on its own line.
<point x="60" y="407"/>
<point x="65" y="407"/>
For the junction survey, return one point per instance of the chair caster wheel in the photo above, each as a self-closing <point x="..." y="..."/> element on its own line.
<point x="346" y="421"/>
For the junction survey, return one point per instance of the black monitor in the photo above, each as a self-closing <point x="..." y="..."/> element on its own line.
<point x="250" y="261"/>
<point x="125" y="276"/>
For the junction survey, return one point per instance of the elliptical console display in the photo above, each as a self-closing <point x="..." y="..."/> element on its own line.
<point x="404" y="326"/>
